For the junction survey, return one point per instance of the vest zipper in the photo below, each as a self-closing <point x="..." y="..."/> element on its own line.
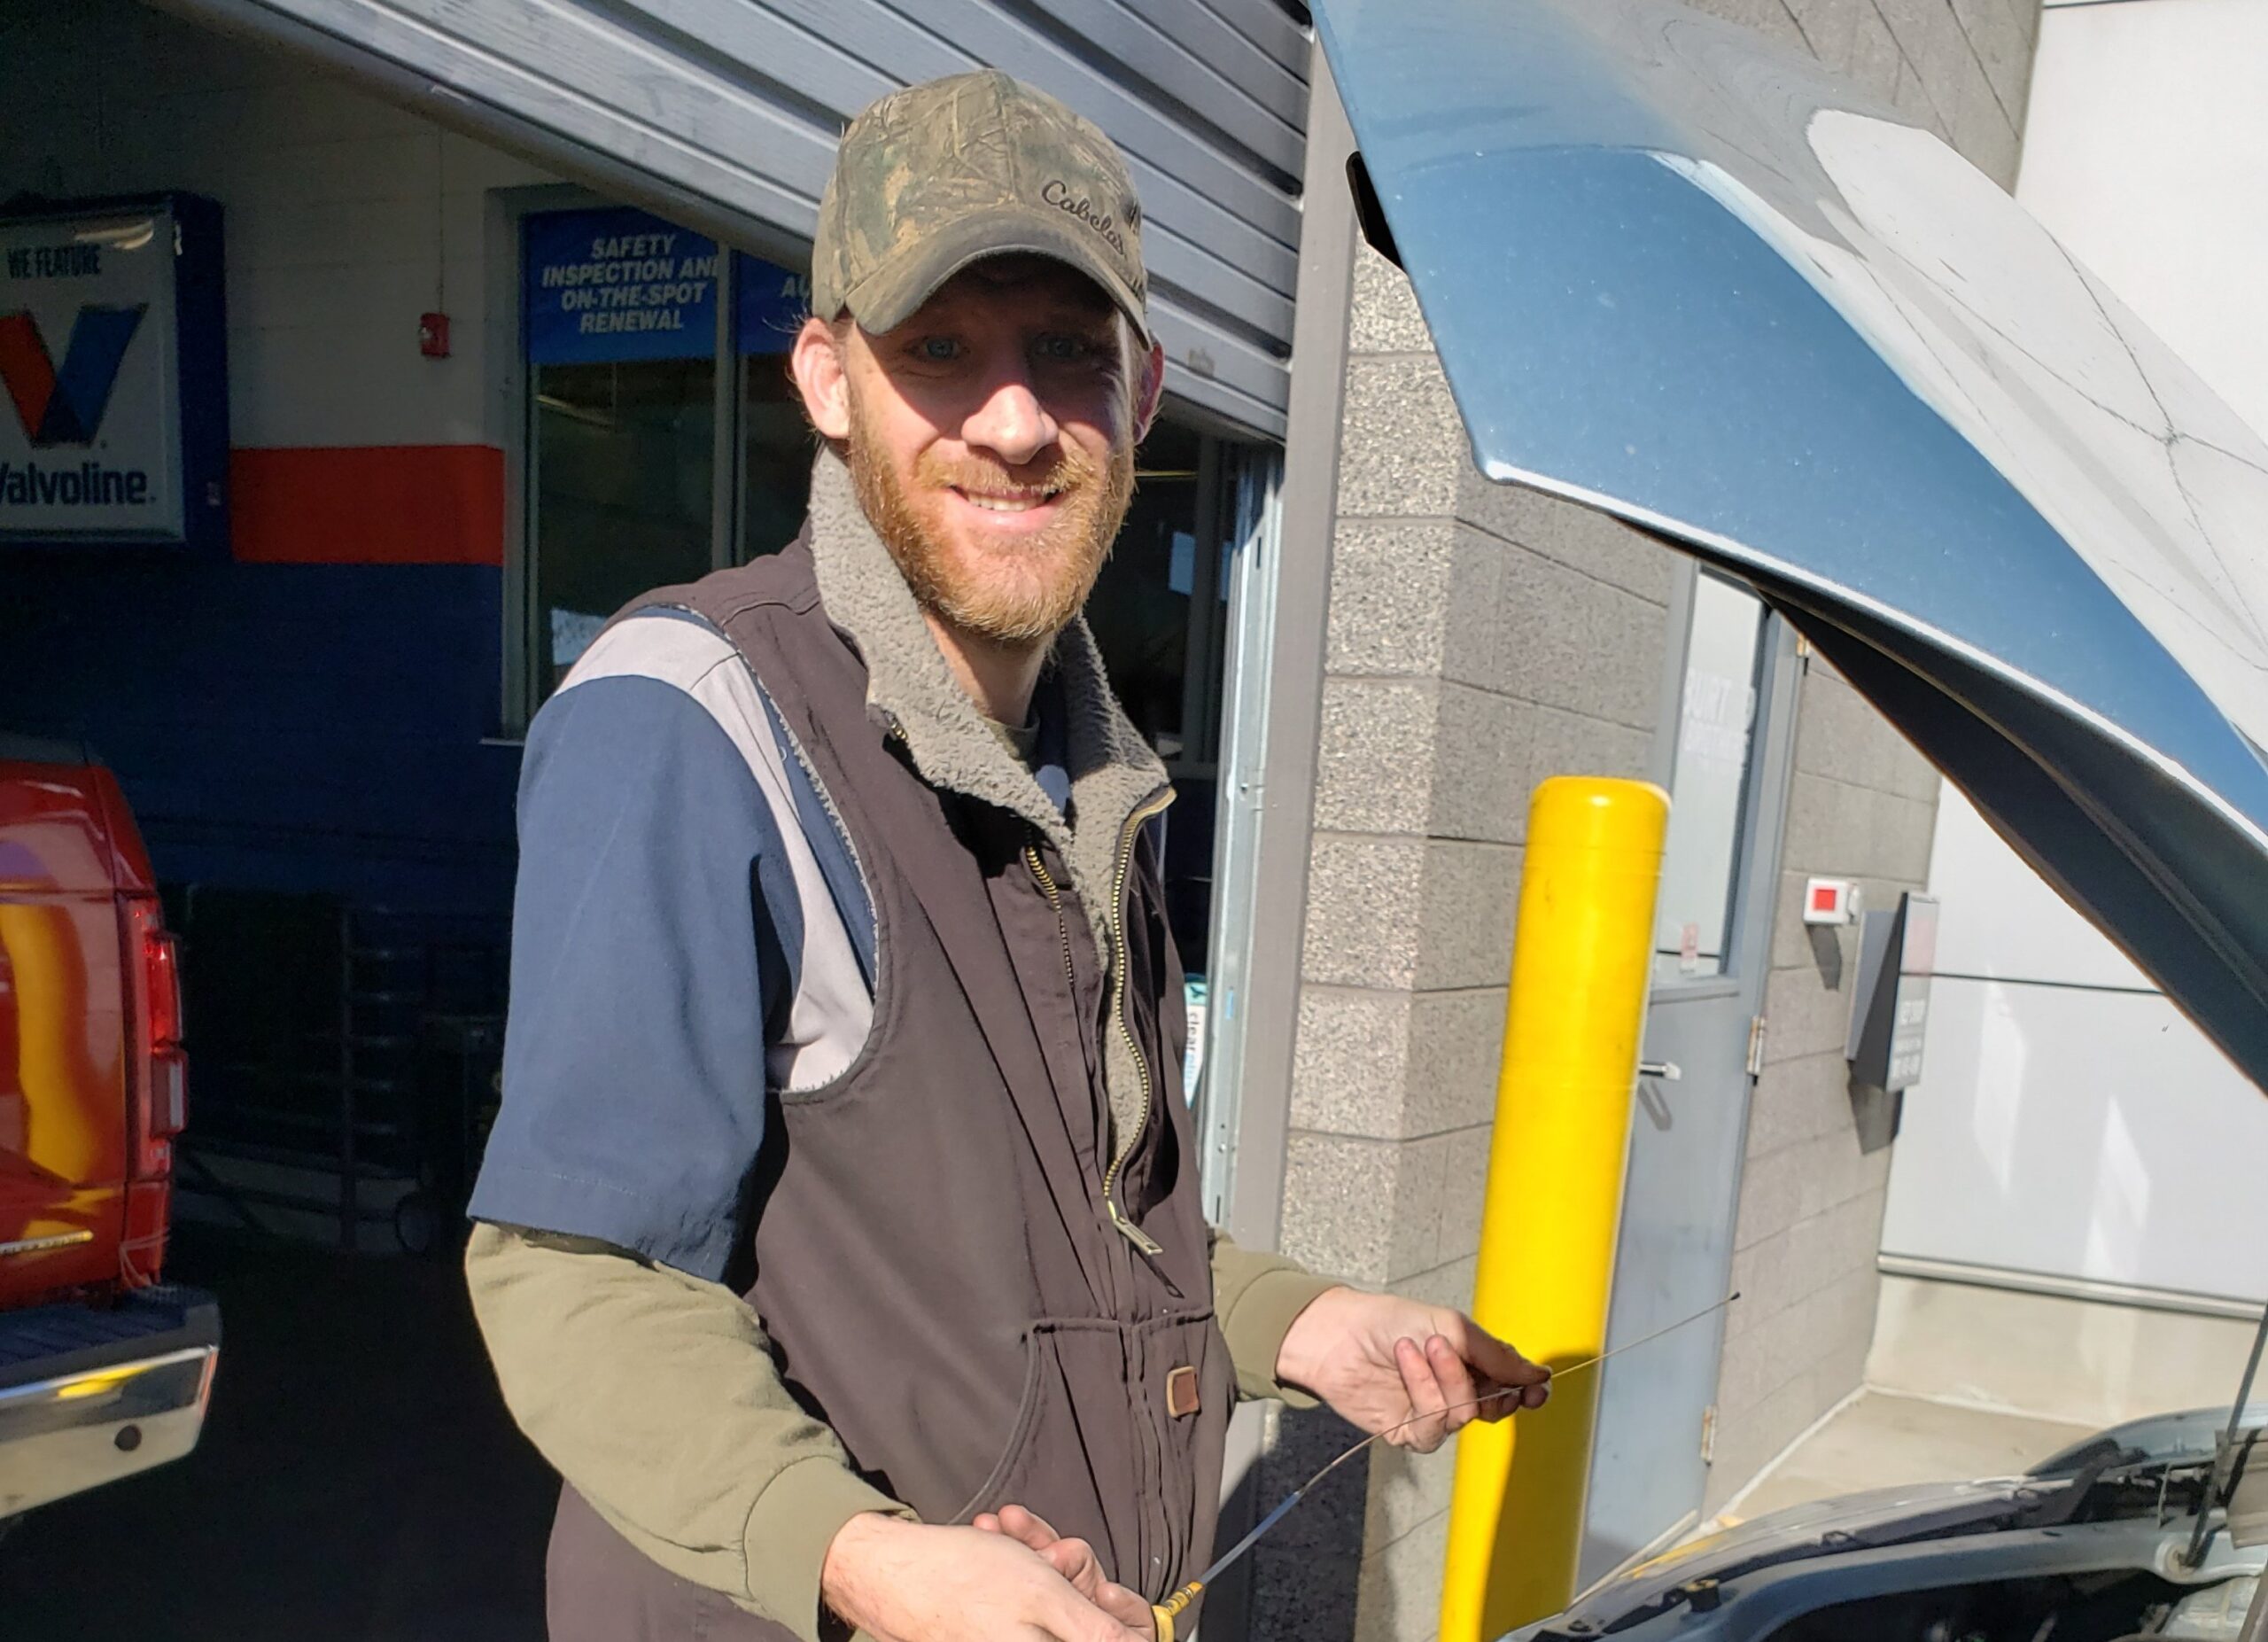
<point x="1133" y="1233"/>
<point x="1070" y="974"/>
<point x="1062" y="924"/>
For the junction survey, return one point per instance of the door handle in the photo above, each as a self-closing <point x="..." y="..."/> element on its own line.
<point x="1669" y="1071"/>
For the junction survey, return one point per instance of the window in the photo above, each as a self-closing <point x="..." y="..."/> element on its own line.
<point x="774" y="440"/>
<point x="1159" y="613"/>
<point x="625" y="483"/>
<point x="1716" y="737"/>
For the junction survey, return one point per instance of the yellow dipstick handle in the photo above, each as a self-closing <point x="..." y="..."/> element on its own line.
<point x="1166" y="1612"/>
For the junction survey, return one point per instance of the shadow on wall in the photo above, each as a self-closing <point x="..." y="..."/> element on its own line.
<point x="1826" y="955"/>
<point x="1308" y="1578"/>
<point x="1874" y="1113"/>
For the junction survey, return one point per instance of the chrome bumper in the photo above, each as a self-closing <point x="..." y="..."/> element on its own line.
<point x="126" y="1390"/>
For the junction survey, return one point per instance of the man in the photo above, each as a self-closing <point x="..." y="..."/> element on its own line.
<point x="839" y="1239"/>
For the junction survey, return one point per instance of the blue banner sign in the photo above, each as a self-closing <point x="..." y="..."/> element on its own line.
<point x="771" y="303"/>
<point x="604" y="286"/>
<point x="619" y="283"/>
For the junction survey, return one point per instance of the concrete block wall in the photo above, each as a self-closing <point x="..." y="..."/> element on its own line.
<point x="1961" y="67"/>
<point x="1481" y="639"/>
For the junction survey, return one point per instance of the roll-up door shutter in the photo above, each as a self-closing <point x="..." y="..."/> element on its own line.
<point x="724" y="114"/>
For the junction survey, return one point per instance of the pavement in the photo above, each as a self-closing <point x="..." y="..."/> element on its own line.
<point x="1881" y="1439"/>
<point x="359" y="1479"/>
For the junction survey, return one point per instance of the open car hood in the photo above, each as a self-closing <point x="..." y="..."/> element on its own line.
<point x="2125" y="1475"/>
<point x="1683" y="277"/>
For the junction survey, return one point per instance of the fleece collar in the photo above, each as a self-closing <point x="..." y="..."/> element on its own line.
<point x="953" y="746"/>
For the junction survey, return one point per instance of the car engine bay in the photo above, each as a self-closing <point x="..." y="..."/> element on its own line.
<point x="2112" y="1607"/>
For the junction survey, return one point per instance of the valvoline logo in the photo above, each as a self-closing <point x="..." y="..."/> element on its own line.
<point x="65" y="407"/>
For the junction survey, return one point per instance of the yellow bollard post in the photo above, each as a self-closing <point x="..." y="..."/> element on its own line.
<point x="1583" y="955"/>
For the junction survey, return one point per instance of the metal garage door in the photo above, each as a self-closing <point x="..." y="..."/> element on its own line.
<point x="723" y="113"/>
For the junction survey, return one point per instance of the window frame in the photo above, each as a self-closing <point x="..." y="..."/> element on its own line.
<point x="512" y="425"/>
<point x="512" y="421"/>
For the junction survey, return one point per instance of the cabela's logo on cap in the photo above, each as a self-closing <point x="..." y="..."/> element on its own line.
<point x="1058" y="193"/>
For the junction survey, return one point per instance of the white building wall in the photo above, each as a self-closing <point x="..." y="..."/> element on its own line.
<point x="2073" y="1130"/>
<point x="345" y="217"/>
<point x="2070" y="1124"/>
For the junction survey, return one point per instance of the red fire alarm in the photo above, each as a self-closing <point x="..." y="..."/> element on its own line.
<point x="1830" y="901"/>
<point x="433" y="335"/>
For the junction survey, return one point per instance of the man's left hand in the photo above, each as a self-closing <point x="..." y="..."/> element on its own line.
<point x="1074" y="1558"/>
<point x="1378" y="1360"/>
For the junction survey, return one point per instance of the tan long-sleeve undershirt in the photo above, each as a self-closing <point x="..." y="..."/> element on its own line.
<point x="656" y="1394"/>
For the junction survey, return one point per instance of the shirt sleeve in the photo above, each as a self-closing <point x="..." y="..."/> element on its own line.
<point x="656" y="1395"/>
<point x="1257" y="1298"/>
<point x="642" y="942"/>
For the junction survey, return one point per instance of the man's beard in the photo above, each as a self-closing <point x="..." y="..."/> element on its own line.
<point x="1013" y="593"/>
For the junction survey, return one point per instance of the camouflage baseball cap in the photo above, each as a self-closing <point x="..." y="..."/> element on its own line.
<point x="942" y="174"/>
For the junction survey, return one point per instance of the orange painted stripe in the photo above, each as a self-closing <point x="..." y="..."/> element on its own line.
<point x="377" y="504"/>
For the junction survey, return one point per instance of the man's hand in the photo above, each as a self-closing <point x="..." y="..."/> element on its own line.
<point x="1378" y="1359"/>
<point x="1075" y="1560"/>
<point x="906" y="1581"/>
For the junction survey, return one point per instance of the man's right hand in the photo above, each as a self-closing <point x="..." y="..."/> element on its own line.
<point x="907" y="1581"/>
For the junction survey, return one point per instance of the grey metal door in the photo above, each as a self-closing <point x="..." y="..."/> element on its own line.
<point x="1728" y="781"/>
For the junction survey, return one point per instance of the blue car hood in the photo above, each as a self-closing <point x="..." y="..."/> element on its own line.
<point x="1683" y="277"/>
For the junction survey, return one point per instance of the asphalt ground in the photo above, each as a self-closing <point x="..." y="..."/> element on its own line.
<point x="358" y="1480"/>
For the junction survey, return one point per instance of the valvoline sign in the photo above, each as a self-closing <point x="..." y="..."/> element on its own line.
<point x="65" y="407"/>
<point x="115" y="426"/>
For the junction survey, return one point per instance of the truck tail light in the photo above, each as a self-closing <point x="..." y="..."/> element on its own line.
<point x="162" y="978"/>
<point x="158" y="1086"/>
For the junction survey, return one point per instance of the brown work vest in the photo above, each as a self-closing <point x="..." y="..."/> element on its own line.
<point x="931" y="1254"/>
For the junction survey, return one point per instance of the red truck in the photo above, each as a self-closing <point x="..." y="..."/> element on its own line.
<point x="105" y="1370"/>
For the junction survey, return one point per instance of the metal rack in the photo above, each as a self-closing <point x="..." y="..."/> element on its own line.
<point x="338" y="1092"/>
